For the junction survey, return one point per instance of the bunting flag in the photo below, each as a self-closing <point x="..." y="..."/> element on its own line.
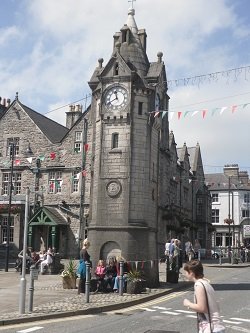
<point x="136" y="265"/>
<point x="151" y="264"/>
<point x="84" y="173"/>
<point x="29" y="159"/>
<point x="52" y="156"/>
<point x="204" y="112"/>
<point x="86" y="147"/>
<point x="41" y="158"/>
<point x="78" y="175"/>
<point x="17" y="162"/>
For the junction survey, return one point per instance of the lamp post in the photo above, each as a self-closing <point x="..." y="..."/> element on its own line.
<point x="12" y="155"/>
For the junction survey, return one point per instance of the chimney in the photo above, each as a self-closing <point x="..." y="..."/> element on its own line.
<point x="74" y="113"/>
<point x="231" y="170"/>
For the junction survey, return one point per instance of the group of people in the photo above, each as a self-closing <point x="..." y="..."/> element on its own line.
<point x="174" y="253"/>
<point x="107" y="275"/>
<point x="42" y="259"/>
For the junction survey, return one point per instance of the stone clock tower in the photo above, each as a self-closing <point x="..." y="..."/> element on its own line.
<point x="128" y="144"/>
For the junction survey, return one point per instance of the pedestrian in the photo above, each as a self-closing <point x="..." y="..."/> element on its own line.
<point x="84" y="257"/>
<point x="205" y="304"/>
<point x="48" y="261"/>
<point x="100" y="273"/>
<point x="197" y="247"/>
<point x="189" y="251"/>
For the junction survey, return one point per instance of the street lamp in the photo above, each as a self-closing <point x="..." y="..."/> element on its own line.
<point x="12" y="148"/>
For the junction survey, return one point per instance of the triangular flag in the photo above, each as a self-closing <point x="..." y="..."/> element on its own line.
<point x="223" y="109"/>
<point x="214" y="110"/>
<point x="41" y="157"/>
<point x="84" y="173"/>
<point x="179" y="114"/>
<point x="77" y="175"/>
<point x="52" y="156"/>
<point x="204" y="113"/>
<point x="86" y="147"/>
<point x="29" y="159"/>
<point x="61" y="182"/>
<point x="194" y="113"/>
<point x="156" y="114"/>
<point x="245" y="105"/>
<point x="186" y="113"/>
<point x="171" y="114"/>
<point x="136" y="264"/>
<point x="234" y="107"/>
<point x="164" y="113"/>
<point x="17" y="162"/>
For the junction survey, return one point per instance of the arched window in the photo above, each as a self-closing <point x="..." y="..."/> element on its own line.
<point x="115" y="139"/>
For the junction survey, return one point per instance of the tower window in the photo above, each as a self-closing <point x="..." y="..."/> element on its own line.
<point x="140" y="104"/>
<point x="115" y="139"/>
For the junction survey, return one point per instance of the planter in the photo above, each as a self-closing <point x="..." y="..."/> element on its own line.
<point x="172" y="276"/>
<point x="69" y="282"/>
<point x="135" y="286"/>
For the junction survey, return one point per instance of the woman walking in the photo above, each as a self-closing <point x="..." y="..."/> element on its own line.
<point x="205" y="304"/>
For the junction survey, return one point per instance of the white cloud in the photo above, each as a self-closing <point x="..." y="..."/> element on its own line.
<point x="60" y="41"/>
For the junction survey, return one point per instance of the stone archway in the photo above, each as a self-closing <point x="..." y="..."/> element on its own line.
<point x="110" y="249"/>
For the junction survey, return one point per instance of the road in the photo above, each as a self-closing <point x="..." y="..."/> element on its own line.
<point x="165" y="314"/>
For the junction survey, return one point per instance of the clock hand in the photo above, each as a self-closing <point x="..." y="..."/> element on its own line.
<point x="115" y="92"/>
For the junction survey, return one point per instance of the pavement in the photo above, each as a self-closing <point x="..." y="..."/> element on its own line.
<point x="50" y="300"/>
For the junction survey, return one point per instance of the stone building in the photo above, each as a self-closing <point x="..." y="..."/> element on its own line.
<point x="114" y="171"/>
<point x="230" y="192"/>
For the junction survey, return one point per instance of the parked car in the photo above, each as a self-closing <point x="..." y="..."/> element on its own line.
<point x="217" y="252"/>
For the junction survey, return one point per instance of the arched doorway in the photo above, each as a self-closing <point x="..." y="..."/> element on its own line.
<point x="110" y="249"/>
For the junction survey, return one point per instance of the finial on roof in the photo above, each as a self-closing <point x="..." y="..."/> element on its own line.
<point x="16" y="98"/>
<point x="159" y="55"/>
<point x="100" y="61"/>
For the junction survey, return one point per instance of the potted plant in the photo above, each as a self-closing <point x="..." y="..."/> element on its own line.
<point x="69" y="275"/>
<point x="135" y="282"/>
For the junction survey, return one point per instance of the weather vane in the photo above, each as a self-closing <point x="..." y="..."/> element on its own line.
<point x="132" y="2"/>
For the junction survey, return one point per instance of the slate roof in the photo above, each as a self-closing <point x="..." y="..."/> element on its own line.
<point x="220" y="182"/>
<point x="54" y="131"/>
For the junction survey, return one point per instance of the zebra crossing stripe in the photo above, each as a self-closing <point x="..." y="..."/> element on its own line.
<point x="172" y="313"/>
<point x="241" y="319"/>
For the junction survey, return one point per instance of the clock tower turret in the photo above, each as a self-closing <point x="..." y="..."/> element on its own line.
<point x="127" y="139"/>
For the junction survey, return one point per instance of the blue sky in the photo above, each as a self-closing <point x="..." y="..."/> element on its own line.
<point x="50" y="48"/>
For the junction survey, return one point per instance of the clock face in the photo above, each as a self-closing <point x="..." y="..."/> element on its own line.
<point x="116" y="98"/>
<point x="157" y="102"/>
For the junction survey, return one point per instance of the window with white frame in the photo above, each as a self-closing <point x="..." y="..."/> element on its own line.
<point x="218" y="239"/>
<point x="215" y="215"/>
<point x="78" y="142"/>
<point x="215" y="197"/>
<point x="247" y="197"/>
<point x="12" y="146"/>
<point x="16" y="183"/>
<point x="4" y="223"/>
<point x="75" y="182"/>
<point x="55" y="182"/>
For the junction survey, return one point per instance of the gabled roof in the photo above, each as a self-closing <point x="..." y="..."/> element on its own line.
<point x="220" y="182"/>
<point x="53" y="131"/>
<point x="48" y="216"/>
